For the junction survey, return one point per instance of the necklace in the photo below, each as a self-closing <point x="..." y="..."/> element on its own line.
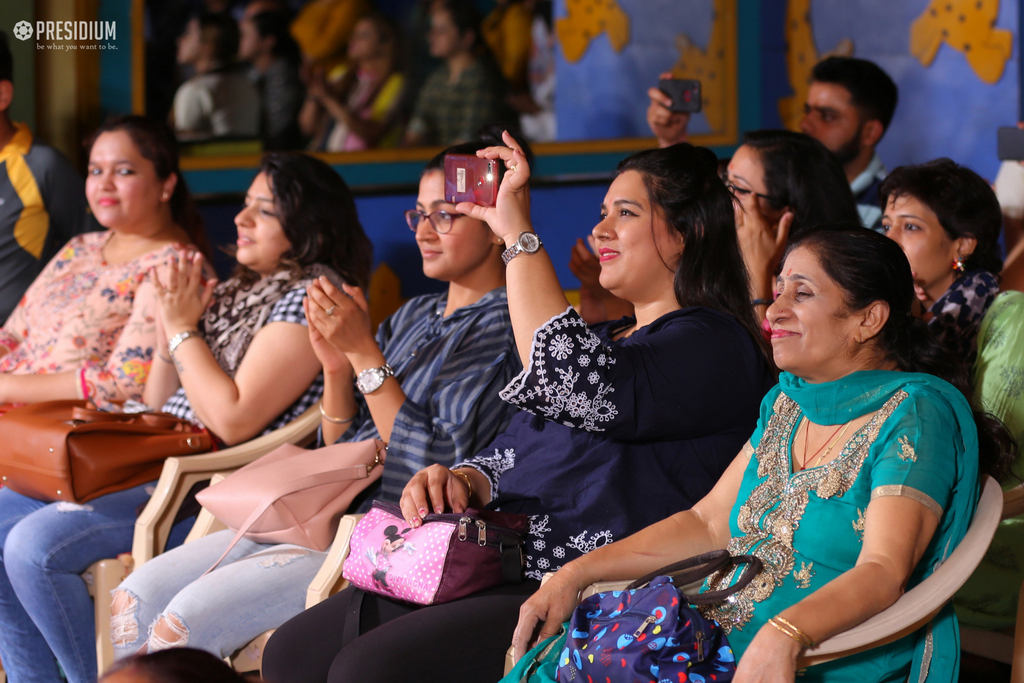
<point x="807" y="438"/>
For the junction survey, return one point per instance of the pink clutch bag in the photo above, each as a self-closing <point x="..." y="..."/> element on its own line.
<point x="449" y="557"/>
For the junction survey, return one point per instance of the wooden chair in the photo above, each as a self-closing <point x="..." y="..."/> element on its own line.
<point x="996" y="645"/>
<point x="914" y="609"/>
<point x="153" y="526"/>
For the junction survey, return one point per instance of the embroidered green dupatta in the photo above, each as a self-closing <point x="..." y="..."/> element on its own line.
<point x="807" y="527"/>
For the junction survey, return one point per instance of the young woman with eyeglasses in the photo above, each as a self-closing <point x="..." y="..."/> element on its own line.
<point x="427" y="384"/>
<point x="784" y="183"/>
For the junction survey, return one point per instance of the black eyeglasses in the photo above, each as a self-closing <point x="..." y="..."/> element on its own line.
<point x="440" y="220"/>
<point x="741" y="192"/>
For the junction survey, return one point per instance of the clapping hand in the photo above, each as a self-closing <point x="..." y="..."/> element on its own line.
<point x="182" y="292"/>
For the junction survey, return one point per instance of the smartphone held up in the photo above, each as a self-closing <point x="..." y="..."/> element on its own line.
<point x="468" y="178"/>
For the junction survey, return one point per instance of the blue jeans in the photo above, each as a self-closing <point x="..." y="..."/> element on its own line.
<point x="256" y="588"/>
<point x="46" y="614"/>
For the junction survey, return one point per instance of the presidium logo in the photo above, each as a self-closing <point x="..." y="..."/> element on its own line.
<point x="69" y="35"/>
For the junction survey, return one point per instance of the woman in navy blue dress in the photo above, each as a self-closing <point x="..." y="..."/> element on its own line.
<point x="622" y="424"/>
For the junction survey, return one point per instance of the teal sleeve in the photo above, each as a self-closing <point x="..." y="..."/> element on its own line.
<point x="918" y="451"/>
<point x="999" y="369"/>
<point x="767" y="408"/>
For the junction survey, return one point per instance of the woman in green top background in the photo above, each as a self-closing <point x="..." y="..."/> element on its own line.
<point x="947" y="220"/>
<point x="860" y="478"/>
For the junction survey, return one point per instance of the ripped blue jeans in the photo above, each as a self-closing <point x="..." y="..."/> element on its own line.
<point x="168" y="603"/>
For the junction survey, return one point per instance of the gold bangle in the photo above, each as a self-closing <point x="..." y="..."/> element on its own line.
<point x="335" y="420"/>
<point x="792" y="631"/>
<point x="465" y="478"/>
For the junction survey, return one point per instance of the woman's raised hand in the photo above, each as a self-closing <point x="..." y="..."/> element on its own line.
<point x="341" y="316"/>
<point x="432" y="490"/>
<point x="182" y="293"/>
<point x="543" y="614"/>
<point x="511" y="213"/>
<point x="762" y="244"/>
<point x="333" y="361"/>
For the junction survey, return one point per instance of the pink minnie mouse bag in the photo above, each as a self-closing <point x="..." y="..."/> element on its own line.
<point x="449" y="557"/>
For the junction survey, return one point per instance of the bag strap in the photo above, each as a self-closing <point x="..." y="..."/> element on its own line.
<point x="700" y="566"/>
<point x="754" y="567"/>
<point x="307" y="482"/>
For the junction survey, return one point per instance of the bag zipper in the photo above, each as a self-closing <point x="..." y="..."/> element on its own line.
<point x="503" y="534"/>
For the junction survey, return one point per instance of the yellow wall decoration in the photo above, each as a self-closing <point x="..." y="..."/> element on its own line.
<point x="711" y="66"/>
<point x="801" y="56"/>
<point x="586" y="20"/>
<point x="967" y="26"/>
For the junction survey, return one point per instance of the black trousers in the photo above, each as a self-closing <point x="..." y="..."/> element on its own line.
<point x="459" y="642"/>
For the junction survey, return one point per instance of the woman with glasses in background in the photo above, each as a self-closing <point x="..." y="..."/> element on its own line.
<point x="783" y="183"/>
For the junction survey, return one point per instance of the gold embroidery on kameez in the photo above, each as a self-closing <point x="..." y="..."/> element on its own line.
<point x="804" y="575"/>
<point x="907" y="449"/>
<point x="772" y="513"/>
<point x="858" y="525"/>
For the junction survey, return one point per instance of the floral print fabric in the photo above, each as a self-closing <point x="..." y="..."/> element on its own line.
<point x="84" y="314"/>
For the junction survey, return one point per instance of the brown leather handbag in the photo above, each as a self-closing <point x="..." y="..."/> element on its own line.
<point x="62" y="450"/>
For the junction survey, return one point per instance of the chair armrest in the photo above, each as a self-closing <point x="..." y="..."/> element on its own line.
<point x="181" y="473"/>
<point x="1013" y="502"/>
<point x="326" y="583"/>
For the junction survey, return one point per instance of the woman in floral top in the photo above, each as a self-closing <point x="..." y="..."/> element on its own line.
<point x="86" y="328"/>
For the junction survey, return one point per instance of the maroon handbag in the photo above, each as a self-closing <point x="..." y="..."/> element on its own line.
<point x="62" y="450"/>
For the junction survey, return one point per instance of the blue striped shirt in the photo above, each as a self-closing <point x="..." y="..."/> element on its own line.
<point x="451" y="370"/>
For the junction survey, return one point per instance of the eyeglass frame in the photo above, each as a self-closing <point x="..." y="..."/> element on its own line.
<point x="429" y="217"/>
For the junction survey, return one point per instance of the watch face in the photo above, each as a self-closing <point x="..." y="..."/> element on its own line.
<point x="529" y="242"/>
<point x="369" y="380"/>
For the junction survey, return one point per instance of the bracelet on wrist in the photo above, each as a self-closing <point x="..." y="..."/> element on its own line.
<point x="335" y="420"/>
<point x="176" y="340"/>
<point x="162" y="357"/>
<point x="465" y="477"/>
<point x="792" y="631"/>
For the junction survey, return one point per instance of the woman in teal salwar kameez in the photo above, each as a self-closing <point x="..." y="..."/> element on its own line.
<point x="861" y="477"/>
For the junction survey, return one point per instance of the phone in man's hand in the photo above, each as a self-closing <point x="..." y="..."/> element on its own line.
<point x="685" y="94"/>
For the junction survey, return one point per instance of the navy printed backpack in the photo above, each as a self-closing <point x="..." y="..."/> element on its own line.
<point x="654" y="633"/>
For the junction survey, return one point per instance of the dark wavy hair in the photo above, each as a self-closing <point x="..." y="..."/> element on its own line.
<point x="870" y="267"/>
<point x="156" y="142"/>
<point x="683" y="184"/>
<point x="318" y="216"/>
<point x="964" y="203"/>
<point x="178" y="665"/>
<point x="800" y="172"/>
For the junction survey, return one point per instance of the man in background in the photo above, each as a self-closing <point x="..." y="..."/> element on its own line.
<point x="42" y="199"/>
<point x="849" y="107"/>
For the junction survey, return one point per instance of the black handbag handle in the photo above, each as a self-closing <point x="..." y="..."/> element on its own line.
<point x="754" y="567"/>
<point x="700" y="566"/>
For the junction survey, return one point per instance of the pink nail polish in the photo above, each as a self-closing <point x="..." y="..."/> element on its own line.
<point x="423" y="512"/>
<point x="439" y="509"/>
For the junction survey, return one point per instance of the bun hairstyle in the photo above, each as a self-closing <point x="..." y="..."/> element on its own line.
<point x="964" y="203"/>
<point x="870" y="267"/>
<point x="683" y="184"/>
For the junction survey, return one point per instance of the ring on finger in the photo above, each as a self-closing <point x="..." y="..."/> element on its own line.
<point x="330" y="310"/>
<point x="513" y="167"/>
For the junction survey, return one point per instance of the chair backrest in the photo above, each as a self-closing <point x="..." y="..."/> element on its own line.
<point x="917" y="606"/>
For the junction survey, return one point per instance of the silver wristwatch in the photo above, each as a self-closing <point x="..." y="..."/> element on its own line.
<point x="527" y="243"/>
<point x="371" y="379"/>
